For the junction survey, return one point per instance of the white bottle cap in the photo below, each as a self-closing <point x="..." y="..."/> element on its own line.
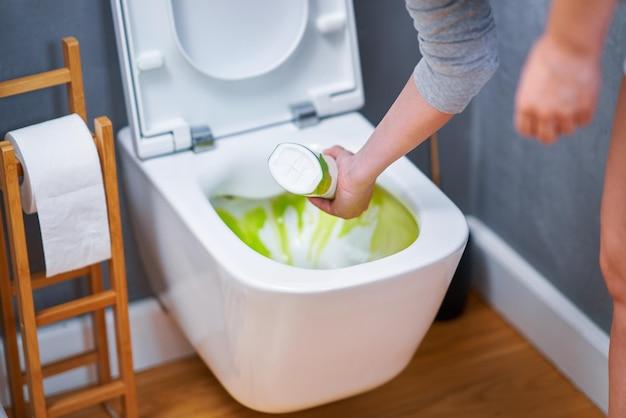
<point x="302" y="171"/>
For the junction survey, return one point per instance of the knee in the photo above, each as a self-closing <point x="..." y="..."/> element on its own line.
<point x="613" y="265"/>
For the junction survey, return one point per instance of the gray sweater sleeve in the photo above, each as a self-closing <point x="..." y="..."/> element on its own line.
<point x="458" y="45"/>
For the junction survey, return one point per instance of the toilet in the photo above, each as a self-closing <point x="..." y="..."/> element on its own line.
<point x="211" y="88"/>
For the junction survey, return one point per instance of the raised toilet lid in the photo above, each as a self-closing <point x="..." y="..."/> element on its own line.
<point x="229" y="66"/>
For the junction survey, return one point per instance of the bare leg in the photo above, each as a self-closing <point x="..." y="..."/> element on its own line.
<point x="613" y="255"/>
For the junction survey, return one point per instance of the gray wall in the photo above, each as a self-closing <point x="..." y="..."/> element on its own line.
<point x="544" y="202"/>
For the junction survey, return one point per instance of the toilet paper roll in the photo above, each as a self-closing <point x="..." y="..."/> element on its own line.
<point x="63" y="184"/>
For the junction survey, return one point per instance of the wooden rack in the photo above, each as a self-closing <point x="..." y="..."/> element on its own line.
<point x="17" y="284"/>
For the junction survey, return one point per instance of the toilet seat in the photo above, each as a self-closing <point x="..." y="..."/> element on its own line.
<point x="194" y="71"/>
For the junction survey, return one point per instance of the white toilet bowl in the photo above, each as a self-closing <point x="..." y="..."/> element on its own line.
<point x="279" y="338"/>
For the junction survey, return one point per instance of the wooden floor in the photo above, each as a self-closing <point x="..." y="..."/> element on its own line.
<point x="474" y="367"/>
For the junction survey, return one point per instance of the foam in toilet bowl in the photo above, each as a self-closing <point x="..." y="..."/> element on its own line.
<point x="289" y="229"/>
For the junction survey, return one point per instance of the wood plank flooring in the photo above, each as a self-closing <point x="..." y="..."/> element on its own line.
<point x="473" y="367"/>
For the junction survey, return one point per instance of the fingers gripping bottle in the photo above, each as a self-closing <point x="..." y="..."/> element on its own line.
<point x="302" y="171"/>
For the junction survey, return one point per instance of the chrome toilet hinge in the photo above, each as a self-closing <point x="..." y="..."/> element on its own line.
<point x="202" y="138"/>
<point x="304" y="114"/>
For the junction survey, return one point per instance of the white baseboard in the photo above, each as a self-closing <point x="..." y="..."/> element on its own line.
<point x="550" y="321"/>
<point x="155" y="338"/>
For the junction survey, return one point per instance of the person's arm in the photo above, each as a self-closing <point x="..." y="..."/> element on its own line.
<point x="457" y="43"/>
<point x="559" y="86"/>
<point x="409" y="121"/>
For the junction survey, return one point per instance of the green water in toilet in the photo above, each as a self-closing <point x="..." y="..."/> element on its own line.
<point x="288" y="229"/>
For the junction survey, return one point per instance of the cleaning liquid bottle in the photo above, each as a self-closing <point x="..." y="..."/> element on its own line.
<point x="302" y="171"/>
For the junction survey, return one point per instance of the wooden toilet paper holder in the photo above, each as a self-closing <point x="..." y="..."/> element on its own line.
<point x="19" y="283"/>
